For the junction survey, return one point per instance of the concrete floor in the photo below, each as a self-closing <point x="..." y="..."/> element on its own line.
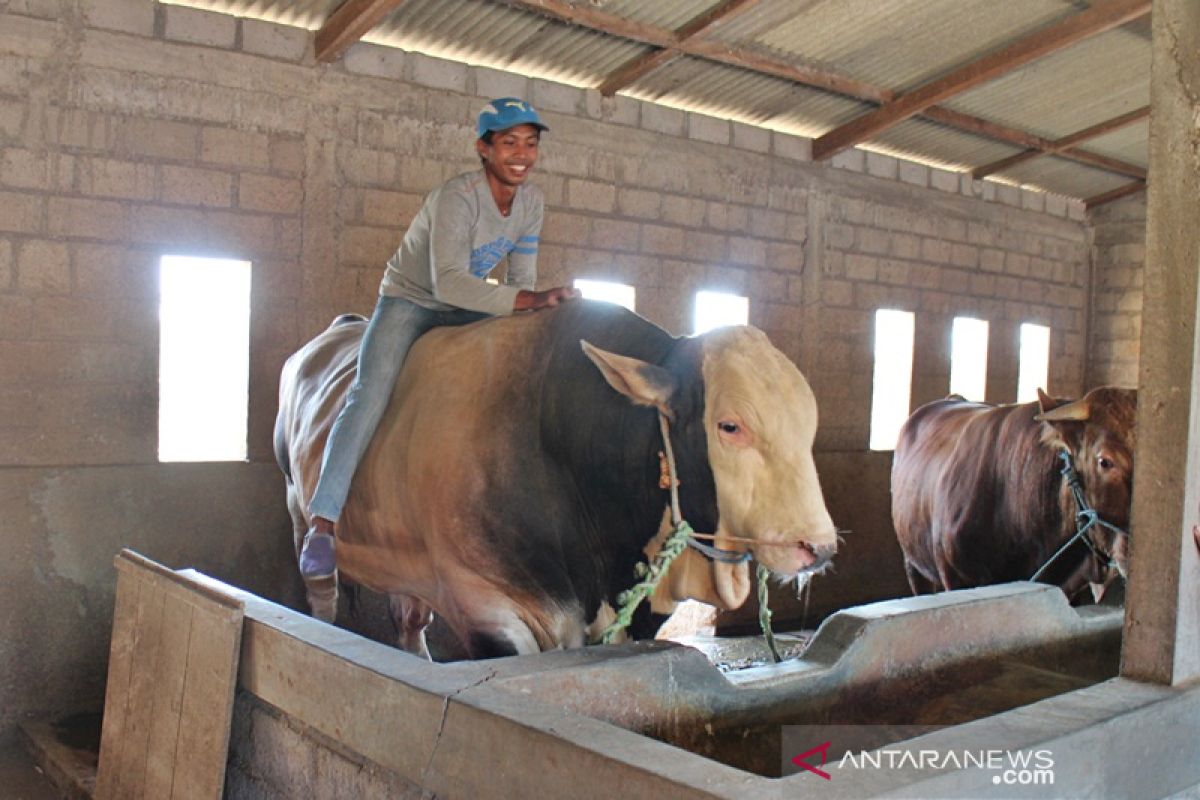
<point x="21" y="778"/>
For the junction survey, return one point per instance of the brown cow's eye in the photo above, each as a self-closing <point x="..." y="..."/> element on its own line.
<point x="1104" y="462"/>
<point x="728" y="427"/>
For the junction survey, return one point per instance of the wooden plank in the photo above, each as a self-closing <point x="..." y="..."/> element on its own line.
<point x="1102" y="16"/>
<point x="347" y="24"/>
<point x="120" y="668"/>
<point x="172" y="673"/>
<point x="138" y="711"/>
<point x="211" y="679"/>
<point x="167" y="696"/>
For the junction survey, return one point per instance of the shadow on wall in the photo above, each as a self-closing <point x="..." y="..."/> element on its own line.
<point x="64" y="526"/>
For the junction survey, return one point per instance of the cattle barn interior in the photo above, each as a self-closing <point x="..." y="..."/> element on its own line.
<point x="825" y="167"/>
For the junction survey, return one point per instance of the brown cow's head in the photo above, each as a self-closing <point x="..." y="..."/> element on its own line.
<point x="1098" y="431"/>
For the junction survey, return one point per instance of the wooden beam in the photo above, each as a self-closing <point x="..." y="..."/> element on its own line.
<point x="1064" y="143"/>
<point x="1102" y="16"/>
<point x="983" y="127"/>
<point x="647" y="63"/>
<point x="635" y="69"/>
<point x="1115" y="194"/>
<point x="347" y="24"/>
<point x="1029" y="141"/>
<point x="715" y="17"/>
<point x="603" y="22"/>
<point x="1108" y="126"/>
<point x="1103" y="162"/>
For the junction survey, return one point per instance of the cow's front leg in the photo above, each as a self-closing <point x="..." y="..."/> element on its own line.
<point x="322" y="596"/>
<point x="411" y="616"/>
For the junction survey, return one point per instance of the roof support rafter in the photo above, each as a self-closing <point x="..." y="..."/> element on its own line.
<point x="347" y="24"/>
<point x="1115" y="194"/>
<point x="647" y="63"/>
<point x="1029" y="141"/>
<point x="610" y="24"/>
<point x="594" y="19"/>
<point x="1102" y="16"/>
<point x="1065" y="143"/>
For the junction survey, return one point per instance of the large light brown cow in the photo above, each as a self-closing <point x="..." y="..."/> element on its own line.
<point x="978" y="494"/>
<point x="510" y="489"/>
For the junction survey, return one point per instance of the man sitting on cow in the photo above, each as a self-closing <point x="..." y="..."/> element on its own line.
<point x="464" y="228"/>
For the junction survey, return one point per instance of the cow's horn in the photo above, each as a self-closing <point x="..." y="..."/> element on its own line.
<point x="1076" y="411"/>
<point x="643" y="383"/>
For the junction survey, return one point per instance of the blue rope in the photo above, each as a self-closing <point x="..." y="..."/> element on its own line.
<point x="717" y="554"/>
<point x="1085" y="518"/>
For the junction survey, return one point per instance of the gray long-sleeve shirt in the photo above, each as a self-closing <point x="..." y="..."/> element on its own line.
<point x="457" y="238"/>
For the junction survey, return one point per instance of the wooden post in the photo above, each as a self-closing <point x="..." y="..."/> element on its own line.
<point x="1162" y="616"/>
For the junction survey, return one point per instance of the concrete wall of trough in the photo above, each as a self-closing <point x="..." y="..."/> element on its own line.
<point x="131" y="129"/>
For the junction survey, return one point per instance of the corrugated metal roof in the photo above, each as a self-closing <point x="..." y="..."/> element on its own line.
<point x="898" y="44"/>
<point x="939" y="145"/>
<point x="1131" y="144"/>
<point x="1098" y="79"/>
<point x="888" y="45"/>
<point x="1066" y="177"/>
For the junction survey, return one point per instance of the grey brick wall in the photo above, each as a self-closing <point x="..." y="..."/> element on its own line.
<point x="131" y="129"/>
<point x="1118" y="255"/>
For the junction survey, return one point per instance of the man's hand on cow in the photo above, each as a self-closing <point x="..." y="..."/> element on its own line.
<point x="531" y="301"/>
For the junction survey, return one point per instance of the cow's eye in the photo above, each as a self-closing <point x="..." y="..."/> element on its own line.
<point x="1104" y="462"/>
<point x="728" y="427"/>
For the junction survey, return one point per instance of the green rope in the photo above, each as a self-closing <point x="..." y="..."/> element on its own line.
<point x="649" y="577"/>
<point x="764" y="612"/>
<point x="631" y="598"/>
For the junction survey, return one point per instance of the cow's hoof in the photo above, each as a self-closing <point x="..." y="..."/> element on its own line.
<point x="318" y="557"/>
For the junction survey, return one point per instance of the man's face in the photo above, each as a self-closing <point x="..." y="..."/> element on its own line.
<point x="511" y="154"/>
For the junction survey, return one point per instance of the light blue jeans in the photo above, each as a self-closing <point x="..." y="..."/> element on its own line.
<point x="393" y="328"/>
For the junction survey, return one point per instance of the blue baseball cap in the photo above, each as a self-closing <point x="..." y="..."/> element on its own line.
<point x="507" y="112"/>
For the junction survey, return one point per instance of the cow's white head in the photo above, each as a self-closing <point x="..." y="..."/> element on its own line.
<point x="760" y="418"/>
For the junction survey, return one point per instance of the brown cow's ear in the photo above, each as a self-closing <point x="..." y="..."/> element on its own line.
<point x="1046" y="402"/>
<point x="643" y="383"/>
<point x="1076" y="411"/>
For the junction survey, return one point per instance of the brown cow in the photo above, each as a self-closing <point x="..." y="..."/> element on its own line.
<point x="979" y="495"/>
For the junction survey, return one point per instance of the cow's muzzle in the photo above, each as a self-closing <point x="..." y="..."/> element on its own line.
<point x="791" y="559"/>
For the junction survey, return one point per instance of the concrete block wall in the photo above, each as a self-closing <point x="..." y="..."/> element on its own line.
<point x="131" y="129"/>
<point x="894" y="244"/>
<point x="1118" y="257"/>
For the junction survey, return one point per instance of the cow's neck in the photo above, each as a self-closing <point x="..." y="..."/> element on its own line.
<point x="611" y="446"/>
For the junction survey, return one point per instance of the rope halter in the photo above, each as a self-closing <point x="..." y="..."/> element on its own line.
<point x="681" y="536"/>
<point x="1086" y="518"/>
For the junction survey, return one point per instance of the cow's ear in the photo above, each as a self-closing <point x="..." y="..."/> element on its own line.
<point x="1077" y="411"/>
<point x="1046" y="402"/>
<point x="643" y="383"/>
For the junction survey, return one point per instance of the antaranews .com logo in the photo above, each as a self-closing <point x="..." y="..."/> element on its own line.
<point x="895" y="757"/>
<point x="1011" y="767"/>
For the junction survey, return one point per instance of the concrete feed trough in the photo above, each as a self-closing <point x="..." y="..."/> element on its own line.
<point x="321" y="711"/>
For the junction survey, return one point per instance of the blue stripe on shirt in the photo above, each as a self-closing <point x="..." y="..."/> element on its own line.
<point x="525" y="251"/>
